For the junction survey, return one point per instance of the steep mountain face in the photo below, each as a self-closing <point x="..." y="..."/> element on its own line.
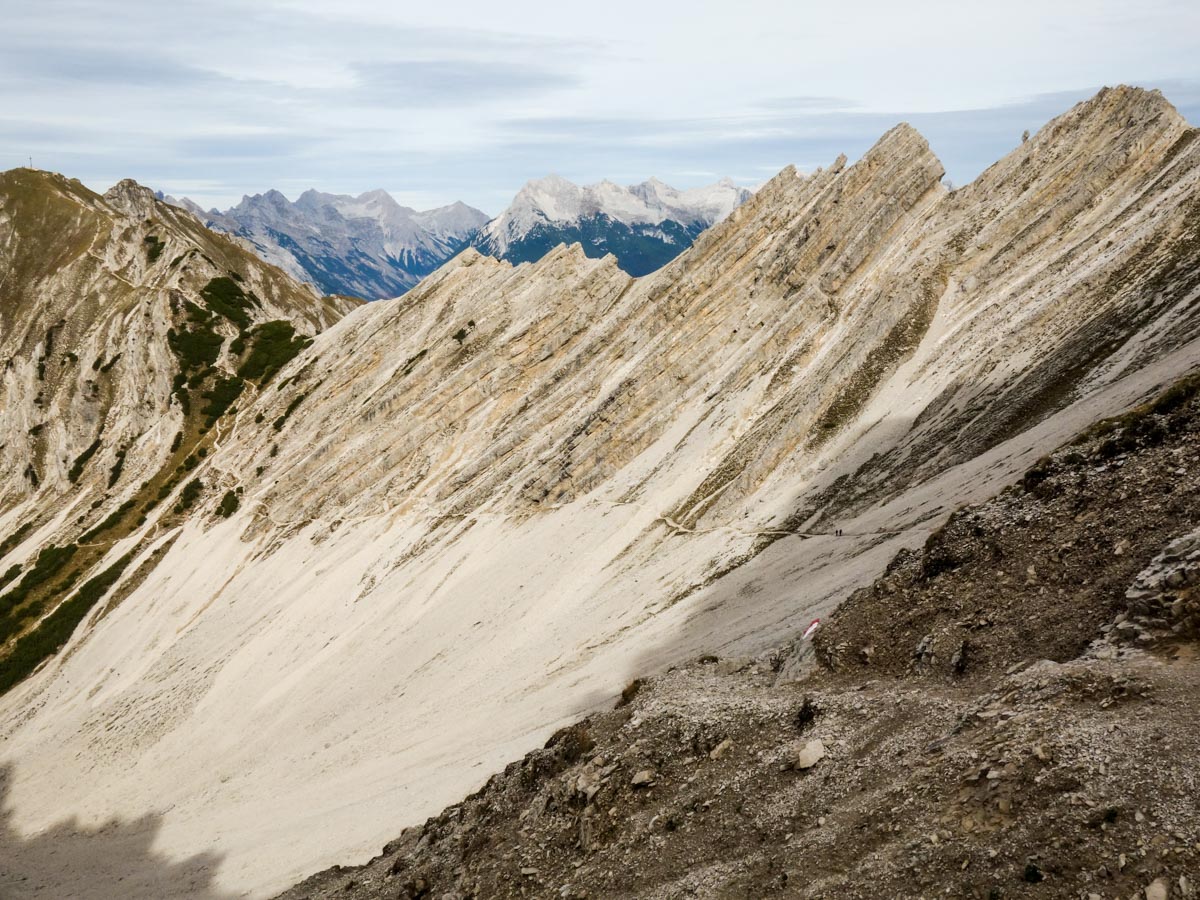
<point x="128" y="330"/>
<point x="367" y="246"/>
<point x="467" y="516"/>
<point x="95" y="291"/>
<point x="975" y="723"/>
<point x="644" y="226"/>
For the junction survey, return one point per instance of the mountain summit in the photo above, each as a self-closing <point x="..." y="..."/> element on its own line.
<point x="644" y="226"/>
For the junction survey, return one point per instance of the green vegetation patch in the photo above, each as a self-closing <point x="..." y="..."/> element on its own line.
<point x="13" y="571"/>
<point x="291" y="408"/>
<point x="196" y="313"/>
<point x="272" y="346"/>
<point x="154" y="247"/>
<point x="49" y="637"/>
<point x="225" y="390"/>
<point x="15" y="538"/>
<point x="225" y="297"/>
<point x="50" y="561"/>
<point x="47" y="353"/>
<point x="108" y="522"/>
<point x="229" y="505"/>
<point x="179" y="390"/>
<point x="197" y="379"/>
<point x="196" y="348"/>
<point x="114" y="474"/>
<point x="189" y="495"/>
<point x="82" y="460"/>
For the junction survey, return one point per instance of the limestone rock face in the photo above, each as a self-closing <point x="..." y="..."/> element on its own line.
<point x="131" y="198"/>
<point x="468" y="514"/>
<point x="91" y="288"/>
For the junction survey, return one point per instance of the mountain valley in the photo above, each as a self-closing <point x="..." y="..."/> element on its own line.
<point x="285" y="573"/>
<point x="970" y="724"/>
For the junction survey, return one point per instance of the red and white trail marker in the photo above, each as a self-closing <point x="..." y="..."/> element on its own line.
<point x="811" y="629"/>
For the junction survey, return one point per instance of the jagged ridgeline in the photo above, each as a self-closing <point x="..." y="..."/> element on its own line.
<point x="460" y="518"/>
<point x="129" y="334"/>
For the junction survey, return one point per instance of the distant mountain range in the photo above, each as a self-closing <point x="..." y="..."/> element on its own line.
<point x="644" y="226"/>
<point x="370" y="246"/>
<point x="366" y="246"/>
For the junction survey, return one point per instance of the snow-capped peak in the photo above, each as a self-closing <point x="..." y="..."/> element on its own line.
<point x="456" y="220"/>
<point x="555" y="200"/>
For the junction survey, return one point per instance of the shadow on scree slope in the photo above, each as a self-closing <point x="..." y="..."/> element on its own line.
<point x="767" y="597"/>
<point x="114" y="860"/>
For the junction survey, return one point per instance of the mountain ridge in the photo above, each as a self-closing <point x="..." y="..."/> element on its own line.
<point x="121" y="319"/>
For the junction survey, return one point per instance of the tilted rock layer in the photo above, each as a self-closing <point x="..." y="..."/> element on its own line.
<point x="468" y="515"/>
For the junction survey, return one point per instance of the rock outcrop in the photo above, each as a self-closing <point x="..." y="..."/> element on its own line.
<point x="465" y="516"/>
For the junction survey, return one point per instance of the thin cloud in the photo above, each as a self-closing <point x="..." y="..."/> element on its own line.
<point x="967" y="141"/>
<point x="452" y="82"/>
<point x="244" y="147"/>
<point x="102" y="67"/>
<point x="810" y="104"/>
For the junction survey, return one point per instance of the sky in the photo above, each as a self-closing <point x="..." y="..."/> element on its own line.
<point x="444" y="101"/>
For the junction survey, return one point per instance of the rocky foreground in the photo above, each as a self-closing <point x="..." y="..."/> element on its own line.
<point x="1009" y="712"/>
